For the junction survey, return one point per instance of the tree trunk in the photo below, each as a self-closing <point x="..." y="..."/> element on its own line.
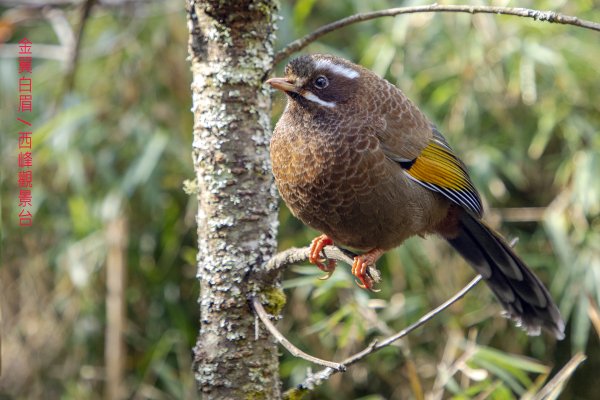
<point x="231" y="52"/>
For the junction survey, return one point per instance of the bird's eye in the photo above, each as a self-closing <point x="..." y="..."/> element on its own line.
<point x="321" y="82"/>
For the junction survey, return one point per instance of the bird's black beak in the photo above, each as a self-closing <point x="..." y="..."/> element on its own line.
<point x="283" y="84"/>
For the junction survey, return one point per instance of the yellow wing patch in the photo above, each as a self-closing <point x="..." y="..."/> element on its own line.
<point x="438" y="169"/>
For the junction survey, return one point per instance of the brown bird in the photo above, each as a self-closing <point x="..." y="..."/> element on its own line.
<point x="355" y="159"/>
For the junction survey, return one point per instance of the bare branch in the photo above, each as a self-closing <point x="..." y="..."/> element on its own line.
<point x="66" y="3"/>
<point x="548" y="16"/>
<point x="264" y="317"/>
<point x="295" y="255"/>
<point x="86" y="10"/>
<point x="421" y="321"/>
<point x="553" y="388"/>
<point x="318" y="378"/>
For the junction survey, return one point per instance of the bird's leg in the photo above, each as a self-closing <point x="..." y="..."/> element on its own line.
<point x="360" y="265"/>
<point x="316" y="248"/>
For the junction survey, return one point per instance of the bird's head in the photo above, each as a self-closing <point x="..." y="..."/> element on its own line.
<point x="319" y="81"/>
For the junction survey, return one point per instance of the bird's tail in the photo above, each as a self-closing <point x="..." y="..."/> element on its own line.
<point x="520" y="292"/>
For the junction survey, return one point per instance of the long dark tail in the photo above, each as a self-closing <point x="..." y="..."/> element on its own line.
<point x="520" y="292"/>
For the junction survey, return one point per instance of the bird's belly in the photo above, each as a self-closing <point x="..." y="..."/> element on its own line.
<point x="362" y="212"/>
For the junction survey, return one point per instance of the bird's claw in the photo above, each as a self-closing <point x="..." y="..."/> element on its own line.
<point x="366" y="286"/>
<point x="329" y="269"/>
<point x="326" y="276"/>
<point x="360" y="269"/>
<point x="316" y="250"/>
<point x="360" y="265"/>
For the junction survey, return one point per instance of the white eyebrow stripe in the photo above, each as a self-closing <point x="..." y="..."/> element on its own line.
<point x="311" y="96"/>
<point x="337" y="69"/>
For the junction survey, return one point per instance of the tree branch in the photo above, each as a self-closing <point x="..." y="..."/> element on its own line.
<point x="552" y="389"/>
<point x="71" y="69"/>
<point x="548" y="16"/>
<point x="295" y="255"/>
<point x="316" y="379"/>
<point x="264" y="317"/>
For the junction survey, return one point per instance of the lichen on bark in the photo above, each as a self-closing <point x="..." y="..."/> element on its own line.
<point x="231" y="51"/>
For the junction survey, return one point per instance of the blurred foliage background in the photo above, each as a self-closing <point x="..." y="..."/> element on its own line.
<point x="518" y="99"/>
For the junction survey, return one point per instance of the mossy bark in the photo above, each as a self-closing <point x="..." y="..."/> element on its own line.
<point x="231" y="53"/>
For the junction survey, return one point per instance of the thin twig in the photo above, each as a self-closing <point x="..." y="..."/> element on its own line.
<point x="551" y="389"/>
<point x="548" y="16"/>
<point x="318" y="378"/>
<point x="264" y="317"/>
<point x="66" y="3"/>
<point x="425" y="318"/>
<point x="295" y="255"/>
<point x="71" y="69"/>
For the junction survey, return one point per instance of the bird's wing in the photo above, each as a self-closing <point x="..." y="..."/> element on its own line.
<point x="438" y="169"/>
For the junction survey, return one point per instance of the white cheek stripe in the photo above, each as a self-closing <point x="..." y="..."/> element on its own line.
<point x="337" y="69"/>
<point x="310" y="96"/>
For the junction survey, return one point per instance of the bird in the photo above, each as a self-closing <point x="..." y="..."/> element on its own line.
<point x="355" y="159"/>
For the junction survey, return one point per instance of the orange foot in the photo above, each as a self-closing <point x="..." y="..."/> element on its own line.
<point x="359" y="267"/>
<point x="316" y="248"/>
